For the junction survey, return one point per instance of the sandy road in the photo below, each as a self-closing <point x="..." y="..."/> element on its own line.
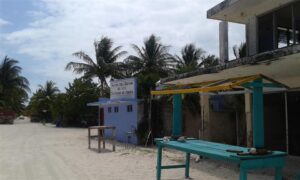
<point x="31" y="151"/>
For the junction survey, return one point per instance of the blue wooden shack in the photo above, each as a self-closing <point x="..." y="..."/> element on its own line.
<point x="120" y="110"/>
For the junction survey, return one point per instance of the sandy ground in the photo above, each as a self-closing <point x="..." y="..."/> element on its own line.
<point x="31" y="151"/>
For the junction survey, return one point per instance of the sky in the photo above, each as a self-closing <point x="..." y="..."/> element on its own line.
<point x="43" y="34"/>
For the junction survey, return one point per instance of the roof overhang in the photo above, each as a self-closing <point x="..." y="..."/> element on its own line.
<point x="221" y="86"/>
<point x="239" y="11"/>
<point x="281" y="65"/>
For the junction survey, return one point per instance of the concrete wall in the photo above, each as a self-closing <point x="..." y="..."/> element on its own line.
<point x="123" y="120"/>
<point x="223" y="127"/>
<point x="224" y="124"/>
<point x="191" y="121"/>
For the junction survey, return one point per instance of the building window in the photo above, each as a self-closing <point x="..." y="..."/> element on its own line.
<point x="284" y="27"/>
<point x="116" y="109"/>
<point x="265" y="33"/>
<point x="297" y="22"/>
<point x="109" y="109"/>
<point x="129" y="108"/>
<point x="280" y="28"/>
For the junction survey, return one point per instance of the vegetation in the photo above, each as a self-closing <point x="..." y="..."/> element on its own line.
<point x="151" y="62"/>
<point x="73" y="109"/>
<point x="104" y="67"/>
<point x="41" y="101"/>
<point x="13" y="86"/>
<point x="240" y="51"/>
<point x="190" y="59"/>
<point x="65" y="109"/>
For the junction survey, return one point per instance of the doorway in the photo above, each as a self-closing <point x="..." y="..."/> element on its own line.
<point x="294" y="123"/>
<point x="101" y="117"/>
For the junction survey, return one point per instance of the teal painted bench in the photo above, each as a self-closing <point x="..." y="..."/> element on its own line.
<point x="218" y="151"/>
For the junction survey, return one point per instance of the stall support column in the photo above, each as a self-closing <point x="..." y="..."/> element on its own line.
<point x="158" y="165"/>
<point x="187" y="165"/>
<point x="258" y="114"/>
<point x="177" y="115"/>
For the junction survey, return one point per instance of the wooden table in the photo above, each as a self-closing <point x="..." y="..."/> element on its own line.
<point x="101" y="136"/>
<point x="218" y="151"/>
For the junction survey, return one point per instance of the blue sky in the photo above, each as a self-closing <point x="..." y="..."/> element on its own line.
<point x="42" y="34"/>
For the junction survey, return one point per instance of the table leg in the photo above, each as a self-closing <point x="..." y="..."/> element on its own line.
<point x="99" y="140"/>
<point x="187" y="165"/>
<point x="298" y="177"/>
<point x="278" y="173"/>
<point x="89" y="137"/>
<point x="243" y="174"/>
<point x="158" y="166"/>
<point x="103" y="136"/>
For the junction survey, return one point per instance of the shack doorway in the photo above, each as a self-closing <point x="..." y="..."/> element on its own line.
<point x="101" y="117"/>
<point x="294" y="123"/>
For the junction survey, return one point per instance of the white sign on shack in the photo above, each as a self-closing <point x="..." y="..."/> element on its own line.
<point x="123" y="89"/>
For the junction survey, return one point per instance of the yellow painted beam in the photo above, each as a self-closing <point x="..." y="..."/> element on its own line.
<point x="191" y="90"/>
<point x="234" y="83"/>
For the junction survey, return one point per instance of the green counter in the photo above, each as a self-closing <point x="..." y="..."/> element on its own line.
<point x="275" y="160"/>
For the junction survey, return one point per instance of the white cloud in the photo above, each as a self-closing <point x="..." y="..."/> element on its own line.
<point x="3" y="22"/>
<point x="64" y="27"/>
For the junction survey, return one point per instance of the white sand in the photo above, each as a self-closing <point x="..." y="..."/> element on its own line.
<point x="31" y="151"/>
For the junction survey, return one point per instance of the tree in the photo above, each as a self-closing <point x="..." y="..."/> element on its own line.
<point x="190" y="59"/>
<point x="105" y="66"/>
<point x="240" y="51"/>
<point x="74" y="111"/>
<point x="13" y="86"/>
<point x="209" y="61"/>
<point x="153" y="57"/>
<point x="42" y="99"/>
<point x="151" y="63"/>
<point x="48" y="90"/>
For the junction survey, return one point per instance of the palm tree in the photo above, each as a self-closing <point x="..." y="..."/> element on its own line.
<point x="13" y="86"/>
<point x="48" y="90"/>
<point x="152" y="58"/>
<point x="189" y="59"/>
<point x="240" y="51"/>
<point x="209" y="61"/>
<point x="151" y="63"/>
<point x="105" y="66"/>
<point x="45" y="95"/>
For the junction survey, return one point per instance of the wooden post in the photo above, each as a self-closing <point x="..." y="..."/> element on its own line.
<point x="248" y="111"/>
<point x="286" y="122"/>
<point x="103" y="137"/>
<point x="258" y="114"/>
<point x="114" y="139"/>
<point x="89" y="137"/>
<point x="205" y="117"/>
<point x="177" y="115"/>
<point x="99" y="140"/>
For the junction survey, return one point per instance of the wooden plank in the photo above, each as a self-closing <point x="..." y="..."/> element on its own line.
<point x="101" y="137"/>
